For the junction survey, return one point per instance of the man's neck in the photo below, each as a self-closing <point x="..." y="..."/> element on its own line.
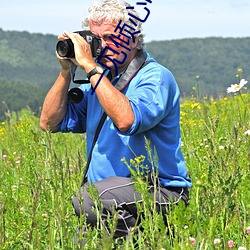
<point x="123" y="66"/>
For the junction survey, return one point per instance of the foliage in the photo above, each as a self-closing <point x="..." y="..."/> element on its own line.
<point x="14" y="95"/>
<point x="40" y="172"/>
<point x="28" y="68"/>
<point x="28" y="58"/>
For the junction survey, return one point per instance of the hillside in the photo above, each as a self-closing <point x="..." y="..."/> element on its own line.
<point x="28" y="66"/>
<point x="211" y="63"/>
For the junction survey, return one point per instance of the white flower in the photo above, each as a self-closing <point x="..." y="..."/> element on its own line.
<point x="247" y="133"/>
<point x="237" y="87"/>
<point x="242" y="248"/>
<point x="22" y="210"/>
<point x="217" y="241"/>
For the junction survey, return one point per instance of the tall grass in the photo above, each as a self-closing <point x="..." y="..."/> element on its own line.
<point x="40" y="172"/>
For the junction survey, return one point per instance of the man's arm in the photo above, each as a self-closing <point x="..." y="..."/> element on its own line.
<point x="55" y="103"/>
<point x="115" y="104"/>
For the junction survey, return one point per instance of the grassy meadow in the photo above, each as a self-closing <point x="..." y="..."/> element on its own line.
<point x="40" y="172"/>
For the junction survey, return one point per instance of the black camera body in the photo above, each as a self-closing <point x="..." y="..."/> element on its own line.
<point x="65" y="48"/>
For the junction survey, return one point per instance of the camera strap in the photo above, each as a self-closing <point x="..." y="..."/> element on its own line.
<point x="136" y="64"/>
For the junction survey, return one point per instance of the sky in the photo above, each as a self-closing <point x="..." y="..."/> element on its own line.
<point x="168" y="19"/>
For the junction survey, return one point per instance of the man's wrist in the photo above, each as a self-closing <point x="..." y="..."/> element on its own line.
<point x="96" y="70"/>
<point x="90" y="67"/>
<point x="65" y="73"/>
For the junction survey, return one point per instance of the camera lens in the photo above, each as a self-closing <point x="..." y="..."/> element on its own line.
<point x="65" y="48"/>
<point x="75" y="95"/>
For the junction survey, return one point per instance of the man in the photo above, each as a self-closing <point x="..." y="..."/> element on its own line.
<point x="145" y="107"/>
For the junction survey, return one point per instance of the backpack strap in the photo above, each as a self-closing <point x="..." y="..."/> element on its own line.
<point x="136" y="64"/>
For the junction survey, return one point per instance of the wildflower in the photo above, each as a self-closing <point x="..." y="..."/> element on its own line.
<point x="237" y="87"/>
<point x="242" y="248"/>
<point x="195" y="106"/>
<point x="248" y="230"/>
<point x="123" y="160"/>
<point x="192" y="240"/>
<point x="137" y="159"/>
<point x="240" y="70"/>
<point x="216" y="241"/>
<point x="22" y="210"/>
<point x="247" y="133"/>
<point x="132" y="162"/>
<point x="198" y="182"/>
<point x="230" y="244"/>
<point x="45" y="216"/>
<point x="221" y="147"/>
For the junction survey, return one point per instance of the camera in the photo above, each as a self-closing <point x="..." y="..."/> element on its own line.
<point x="65" y="48"/>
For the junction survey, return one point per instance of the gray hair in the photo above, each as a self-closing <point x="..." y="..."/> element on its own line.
<point x="113" y="11"/>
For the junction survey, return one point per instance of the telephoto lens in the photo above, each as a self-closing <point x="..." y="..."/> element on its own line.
<point x="65" y="48"/>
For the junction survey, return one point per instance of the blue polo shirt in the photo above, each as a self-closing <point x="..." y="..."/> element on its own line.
<point x="154" y="97"/>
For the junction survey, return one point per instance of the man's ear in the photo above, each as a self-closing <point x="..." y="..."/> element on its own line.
<point x="135" y="43"/>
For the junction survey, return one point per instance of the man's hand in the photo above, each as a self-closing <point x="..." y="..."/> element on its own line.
<point x="83" y="54"/>
<point x="66" y="63"/>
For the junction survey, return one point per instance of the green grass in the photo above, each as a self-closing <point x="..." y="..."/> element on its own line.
<point x="40" y="172"/>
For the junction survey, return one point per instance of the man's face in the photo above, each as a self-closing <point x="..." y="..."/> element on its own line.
<point x="104" y="31"/>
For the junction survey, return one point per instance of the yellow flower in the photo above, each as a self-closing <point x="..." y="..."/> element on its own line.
<point x="240" y="70"/>
<point x="195" y="105"/>
<point x="138" y="160"/>
<point x="183" y="113"/>
<point x="132" y="162"/>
